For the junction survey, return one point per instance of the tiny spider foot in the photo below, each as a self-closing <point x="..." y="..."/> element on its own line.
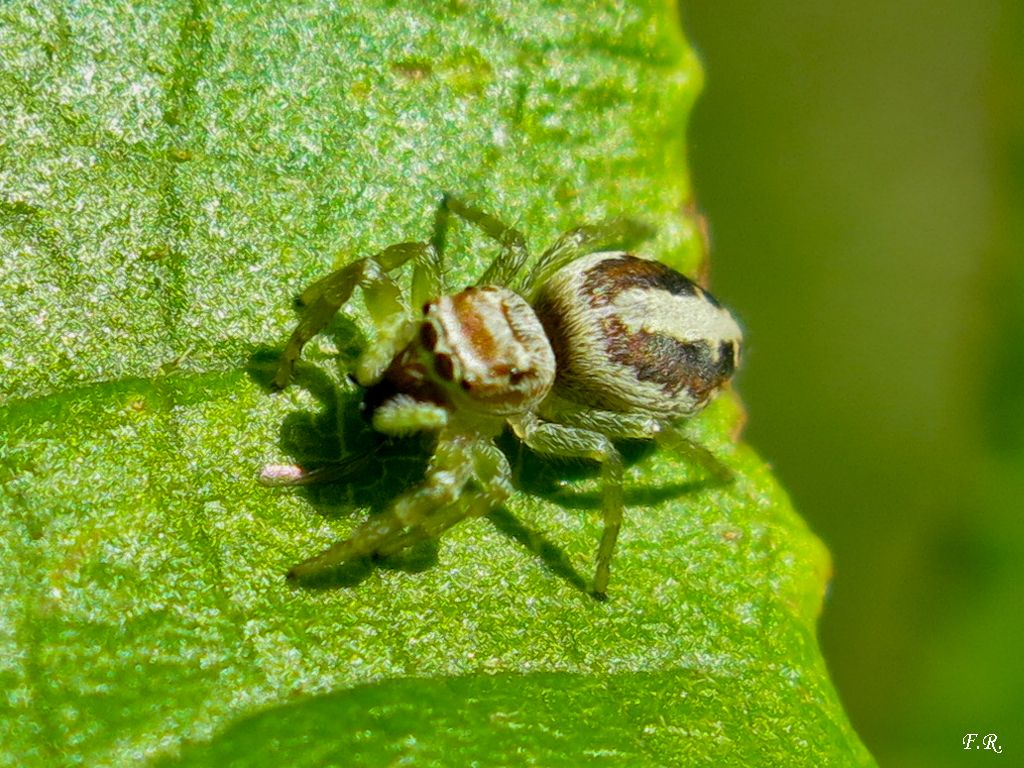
<point x="332" y="472"/>
<point x="283" y="474"/>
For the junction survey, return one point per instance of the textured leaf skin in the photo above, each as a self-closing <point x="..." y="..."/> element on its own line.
<point x="170" y="176"/>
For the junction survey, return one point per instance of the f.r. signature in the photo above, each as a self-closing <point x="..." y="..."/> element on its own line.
<point x="988" y="741"/>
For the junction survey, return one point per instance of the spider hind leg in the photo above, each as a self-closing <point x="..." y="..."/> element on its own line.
<point x="565" y="441"/>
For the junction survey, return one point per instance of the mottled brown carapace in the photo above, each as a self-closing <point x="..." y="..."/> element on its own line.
<point x="492" y="347"/>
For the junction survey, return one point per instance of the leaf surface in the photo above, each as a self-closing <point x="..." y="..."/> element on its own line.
<point x="171" y="175"/>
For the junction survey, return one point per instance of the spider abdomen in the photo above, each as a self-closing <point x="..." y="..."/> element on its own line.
<point x="631" y="334"/>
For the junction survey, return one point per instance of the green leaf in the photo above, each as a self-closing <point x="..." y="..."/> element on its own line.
<point x="170" y="176"/>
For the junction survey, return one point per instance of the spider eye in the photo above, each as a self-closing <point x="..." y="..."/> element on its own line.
<point x="489" y="344"/>
<point x="444" y="367"/>
<point x="428" y="335"/>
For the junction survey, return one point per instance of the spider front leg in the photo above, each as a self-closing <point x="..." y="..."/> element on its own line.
<point x="467" y="476"/>
<point x="492" y="474"/>
<point x="322" y="300"/>
<point x="563" y="441"/>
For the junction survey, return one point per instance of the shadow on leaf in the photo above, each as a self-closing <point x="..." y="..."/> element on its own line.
<point x="554" y="558"/>
<point x="350" y="468"/>
<point x="352" y="573"/>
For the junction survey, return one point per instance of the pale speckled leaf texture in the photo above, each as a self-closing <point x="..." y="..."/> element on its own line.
<point x="171" y="174"/>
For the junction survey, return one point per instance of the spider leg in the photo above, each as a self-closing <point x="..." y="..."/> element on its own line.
<point x="673" y="439"/>
<point x="508" y="263"/>
<point x="322" y="300"/>
<point x="440" y="488"/>
<point x="427" y="510"/>
<point x="637" y="426"/>
<point x="615" y="424"/>
<point x="559" y="440"/>
<point x="613" y="234"/>
<point x="491" y="471"/>
<point x="334" y="472"/>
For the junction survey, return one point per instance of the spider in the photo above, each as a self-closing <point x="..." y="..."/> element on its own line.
<point x="588" y="346"/>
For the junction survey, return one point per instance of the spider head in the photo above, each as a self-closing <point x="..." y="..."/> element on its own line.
<point x="486" y="350"/>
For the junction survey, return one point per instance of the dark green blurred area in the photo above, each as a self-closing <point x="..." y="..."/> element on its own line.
<point x="862" y="168"/>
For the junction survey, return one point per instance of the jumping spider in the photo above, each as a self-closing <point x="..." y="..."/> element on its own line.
<point x="587" y="346"/>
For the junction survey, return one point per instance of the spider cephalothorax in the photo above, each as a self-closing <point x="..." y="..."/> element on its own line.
<point x="482" y="349"/>
<point x="587" y="346"/>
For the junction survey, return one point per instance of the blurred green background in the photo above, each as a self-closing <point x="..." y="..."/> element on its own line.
<point x="862" y="168"/>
